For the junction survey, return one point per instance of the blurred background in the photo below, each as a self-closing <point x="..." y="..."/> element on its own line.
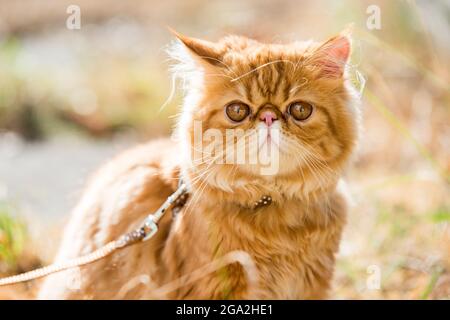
<point x="70" y="99"/>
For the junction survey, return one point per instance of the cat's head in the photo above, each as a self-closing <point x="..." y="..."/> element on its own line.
<point x="263" y="112"/>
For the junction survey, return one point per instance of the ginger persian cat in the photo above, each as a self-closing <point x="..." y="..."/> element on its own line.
<point x="284" y="249"/>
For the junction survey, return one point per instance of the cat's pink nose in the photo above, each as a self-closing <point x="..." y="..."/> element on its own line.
<point x="268" y="117"/>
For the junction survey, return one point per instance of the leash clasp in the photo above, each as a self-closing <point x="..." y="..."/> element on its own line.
<point x="150" y="227"/>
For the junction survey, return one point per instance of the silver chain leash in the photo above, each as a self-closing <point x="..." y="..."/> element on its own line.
<point x="147" y="230"/>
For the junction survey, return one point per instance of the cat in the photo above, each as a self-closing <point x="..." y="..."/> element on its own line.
<point x="244" y="232"/>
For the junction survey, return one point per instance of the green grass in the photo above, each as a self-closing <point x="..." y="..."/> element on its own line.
<point x="441" y="215"/>
<point x="12" y="237"/>
<point x="434" y="277"/>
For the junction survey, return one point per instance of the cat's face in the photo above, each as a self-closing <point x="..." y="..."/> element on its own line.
<point x="267" y="109"/>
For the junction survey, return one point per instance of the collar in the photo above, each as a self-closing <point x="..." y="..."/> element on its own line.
<point x="178" y="204"/>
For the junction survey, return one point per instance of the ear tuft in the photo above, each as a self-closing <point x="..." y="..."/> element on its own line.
<point x="205" y="50"/>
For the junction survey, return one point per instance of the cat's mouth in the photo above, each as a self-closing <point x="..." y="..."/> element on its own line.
<point x="268" y="136"/>
<point x="269" y="141"/>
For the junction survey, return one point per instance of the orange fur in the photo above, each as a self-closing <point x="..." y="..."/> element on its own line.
<point x="292" y="243"/>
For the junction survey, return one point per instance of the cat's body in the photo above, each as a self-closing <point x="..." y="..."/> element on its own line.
<point x="289" y="246"/>
<point x="294" y="260"/>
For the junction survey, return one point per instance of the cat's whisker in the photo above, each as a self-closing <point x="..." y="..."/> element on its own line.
<point x="259" y="67"/>
<point x="314" y="157"/>
<point x="313" y="168"/>
<point x="209" y="164"/>
<point x="199" y="192"/>
<point x="218" y="75"/>
<point x="295" y="88"/>
<point x="173" y="88"/>
<point x="206" y="173"/>
<point x="319" y="161"/>
<point x="313" y="172"/>
<point x="221" y="62"/>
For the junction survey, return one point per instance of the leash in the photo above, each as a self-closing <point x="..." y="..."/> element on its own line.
<point x="147" y="230"/>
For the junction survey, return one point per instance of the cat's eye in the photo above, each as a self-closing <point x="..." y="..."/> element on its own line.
<point x="300" y="110"/>
<point x="237" y="111"/>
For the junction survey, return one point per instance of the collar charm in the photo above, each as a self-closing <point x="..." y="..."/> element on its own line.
<point x="263" y="202"/>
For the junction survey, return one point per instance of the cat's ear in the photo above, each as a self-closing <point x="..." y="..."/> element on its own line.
<point x="332" y="56"/>
<point x="203" y="51"/>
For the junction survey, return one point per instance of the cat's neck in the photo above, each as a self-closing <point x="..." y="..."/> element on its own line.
<point x="247" y="192"/>
<point x="219" y="201"/>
